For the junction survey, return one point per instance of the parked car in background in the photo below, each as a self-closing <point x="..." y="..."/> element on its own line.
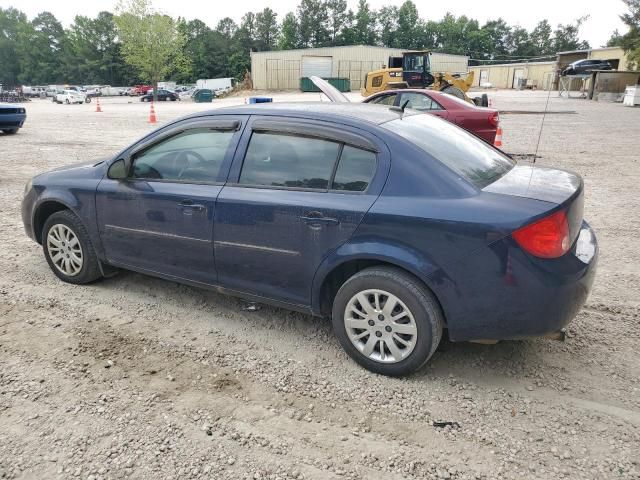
<point x="187" y="94"/>
<point x="582" y="67"/>
<point x="12" y="117"/>
<point x="71" y="96"/>
<point x="163" y="96"/>
<point x="138" y="90"/>
<point x="393" y="223"/>
<point x="481" y="121"/>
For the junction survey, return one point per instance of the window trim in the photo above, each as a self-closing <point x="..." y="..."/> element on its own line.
<point x="322" y="132"/>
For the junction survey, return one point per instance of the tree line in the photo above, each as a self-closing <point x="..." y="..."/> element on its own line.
<point x="103" y="49"/>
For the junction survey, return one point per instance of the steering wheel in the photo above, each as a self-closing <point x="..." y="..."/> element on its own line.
<point x="183" y="158"/>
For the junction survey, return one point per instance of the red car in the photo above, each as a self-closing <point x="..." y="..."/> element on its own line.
<point x="140" y="90"/>
<point x="482" y="122"/>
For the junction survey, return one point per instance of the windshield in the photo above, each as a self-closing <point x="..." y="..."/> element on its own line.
<point x="463" y="153"/>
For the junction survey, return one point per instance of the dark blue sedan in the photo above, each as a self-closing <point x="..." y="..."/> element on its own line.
<point x="396" y="225"/>
<point x="12" y="117"/>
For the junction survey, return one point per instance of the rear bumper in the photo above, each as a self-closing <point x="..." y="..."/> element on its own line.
<point x="505" y="293"/>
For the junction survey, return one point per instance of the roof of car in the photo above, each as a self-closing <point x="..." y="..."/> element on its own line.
<point x="376" y="114"/>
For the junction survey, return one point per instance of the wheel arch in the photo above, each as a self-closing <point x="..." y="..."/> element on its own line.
<point x="335" y="270"/>
<point x="43" y="211"/>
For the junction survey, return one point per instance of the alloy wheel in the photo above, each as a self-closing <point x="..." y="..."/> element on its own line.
<point x="380" y="326"/>
<point x="65" y="250"/>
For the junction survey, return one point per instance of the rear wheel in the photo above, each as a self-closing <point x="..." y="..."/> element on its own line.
<point x="387" y="321"/>
<point x="10" y="131"/>
<point x="68" y="249"/>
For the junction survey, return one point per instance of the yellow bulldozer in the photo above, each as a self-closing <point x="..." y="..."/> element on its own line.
<point x="413" y="70"/>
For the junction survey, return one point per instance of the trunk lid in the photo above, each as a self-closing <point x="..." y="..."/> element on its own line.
<point x="562" y="189"/>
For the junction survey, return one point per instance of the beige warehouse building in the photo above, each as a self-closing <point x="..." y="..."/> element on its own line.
<point x="543" y="74"/>
<point x="283" y="69"/>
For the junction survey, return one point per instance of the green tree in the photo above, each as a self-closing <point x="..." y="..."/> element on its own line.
<point x="364" y="29"/>
<point x="388" y="23"/>
<point x="39" y="50"/>
<point x="409" y="26"/>
<point x="12" y="24"/>
<point x="541" y="38"/>
<point x="92" y="53"/>
<point x="631" y="40"/>
<point x="289" y="32"/>
<point x="337" y="21"/>
<point x="267" y="29"/>
<point x="566" y="37"/>
<point x="151" y="43"/>
<point x="312" y="23"/>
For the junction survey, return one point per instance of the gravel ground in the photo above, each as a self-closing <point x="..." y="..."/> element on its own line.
<point x="136" y="377"/>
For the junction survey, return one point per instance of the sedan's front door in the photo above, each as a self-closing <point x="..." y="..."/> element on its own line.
<point x="160" y="218"/>
<point x="299" y="192"/>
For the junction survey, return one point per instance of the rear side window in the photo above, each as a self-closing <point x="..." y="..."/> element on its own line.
<point x="462" y="152"/>
<point x="385" y="99"/>
<point x="355" y="170"/>
<point x="280" y="160"/>
<point x="418" y="101"/>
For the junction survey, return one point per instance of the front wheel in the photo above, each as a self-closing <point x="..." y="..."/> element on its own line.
<point x="87" y="100"/>
<point x="67" y="102"/>
<point x="10" y="131"/>
<point x="387" y="321"/>
<point x="68" y="249"/>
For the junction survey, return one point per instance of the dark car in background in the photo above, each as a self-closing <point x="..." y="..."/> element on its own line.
<point x="482" y="122"/>
<point x="394" y="224"/>
<point x="12" y="117"/>
<point x="582" y="67"/>
<point x="163" y="95"/>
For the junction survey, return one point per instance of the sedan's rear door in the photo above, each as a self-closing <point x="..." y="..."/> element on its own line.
<point x="297" y="190"/>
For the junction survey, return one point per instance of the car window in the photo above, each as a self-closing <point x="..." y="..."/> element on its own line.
<point x="281" y="160"/>
<point x="195" y="155"/>
<point x="385" y="99"/>
<point x="418" y="101"/>
<point x="459" y="150"/>
<point x="355" y="170"/>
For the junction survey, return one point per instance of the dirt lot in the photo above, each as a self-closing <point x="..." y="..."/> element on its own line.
<point x="142" y="378"/>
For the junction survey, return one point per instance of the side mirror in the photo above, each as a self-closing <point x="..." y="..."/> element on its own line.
<point x="119" y="170"/>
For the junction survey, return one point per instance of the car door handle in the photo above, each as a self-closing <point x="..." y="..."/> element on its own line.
<point x="314" y="218"/>
<point x="190" y="205"/>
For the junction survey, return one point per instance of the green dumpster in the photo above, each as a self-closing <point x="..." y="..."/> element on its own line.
<point x="203" y="96"/>
<point x="342" y="84"/>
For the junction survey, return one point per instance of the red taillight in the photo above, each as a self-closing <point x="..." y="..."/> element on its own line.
<point x="546" y="238"/>
<point x="494" y="119"/>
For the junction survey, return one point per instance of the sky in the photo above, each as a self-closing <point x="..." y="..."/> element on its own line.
<point x="603" y="15"/>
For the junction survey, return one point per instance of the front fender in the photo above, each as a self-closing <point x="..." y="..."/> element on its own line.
<point x="402" y="256"/>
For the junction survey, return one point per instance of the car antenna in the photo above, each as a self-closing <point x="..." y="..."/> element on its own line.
<point x="400" y="108"/>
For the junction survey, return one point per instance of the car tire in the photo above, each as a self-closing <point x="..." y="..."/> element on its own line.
<point x="73" y="268"/>
<point x="422" y="321"/>
<point x="10" y="131"/>
<point x="87" y="100"/>
<point x="67" y="102"/>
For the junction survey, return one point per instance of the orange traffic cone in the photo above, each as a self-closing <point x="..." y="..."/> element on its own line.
<point x="498" y="141"/>
<point x="98" y="109"/>
<point x="152" y="115"/>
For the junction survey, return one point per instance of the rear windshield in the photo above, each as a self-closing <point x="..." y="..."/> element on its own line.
<point x="462" y="152"/>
